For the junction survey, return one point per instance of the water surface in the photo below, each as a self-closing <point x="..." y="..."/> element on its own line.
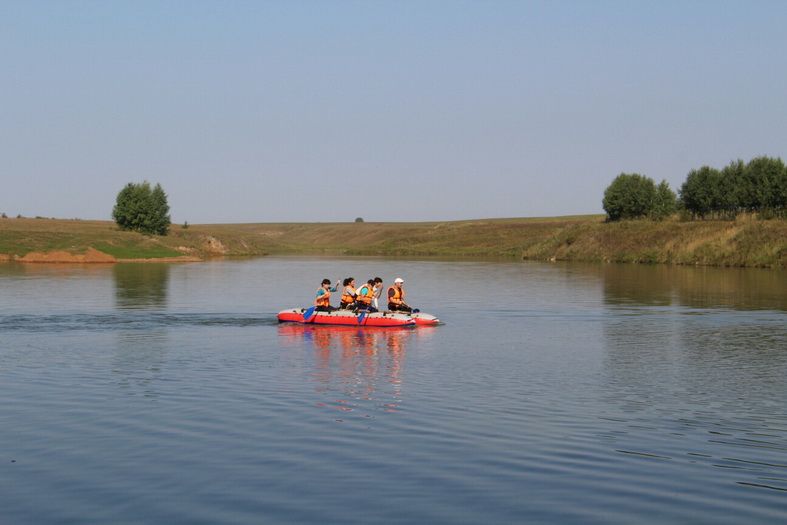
<point x="553" y="393"/>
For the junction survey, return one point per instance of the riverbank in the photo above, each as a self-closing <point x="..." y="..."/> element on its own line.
<point x="746" y="242"/>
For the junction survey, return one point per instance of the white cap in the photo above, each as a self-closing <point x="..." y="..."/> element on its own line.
<point x="398" y="280"/>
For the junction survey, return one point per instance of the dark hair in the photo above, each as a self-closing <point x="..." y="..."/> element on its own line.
<point x="370" y="281"/>
<point x="348" y="280"/>
<point x="378" y="280"/>
<point x="326" y="281"/>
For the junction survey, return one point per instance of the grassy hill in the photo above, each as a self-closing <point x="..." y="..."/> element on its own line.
<point x="745" y="242"/>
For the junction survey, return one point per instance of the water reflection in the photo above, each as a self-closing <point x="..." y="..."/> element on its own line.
<point x="359" y="365"/>
<point x="659" y="285"/>
<point x="141" y="285"/>
<point x="139" y="354"/>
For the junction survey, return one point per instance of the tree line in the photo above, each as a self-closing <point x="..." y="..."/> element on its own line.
<point x="759" y="186"/>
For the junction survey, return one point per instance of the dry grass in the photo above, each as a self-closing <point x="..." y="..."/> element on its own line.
<point x="745" y="242"/>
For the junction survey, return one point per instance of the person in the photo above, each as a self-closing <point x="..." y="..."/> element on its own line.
<point x="378" y="291"/>
<point x="365" y="296"/>
<point x="348" y="294"/>
<point x="322" y="302"/>
<point x="396" y="297"/>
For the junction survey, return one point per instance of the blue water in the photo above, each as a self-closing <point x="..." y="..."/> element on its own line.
<point x="552" y="394"/>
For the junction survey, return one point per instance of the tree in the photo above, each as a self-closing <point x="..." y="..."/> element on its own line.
<point x="664" y="202"/>
<point x="764" y="180"/>
<point x="699" y="194"/>
<point x="160" y="218"/>
<point x="630" y="195"/>
<point x="359" y="219"/>
<point x="731" y="189"/>
<point x="142" y="208"/>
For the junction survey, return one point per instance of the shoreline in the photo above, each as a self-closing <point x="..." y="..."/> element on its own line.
<point x="90" y="257"/>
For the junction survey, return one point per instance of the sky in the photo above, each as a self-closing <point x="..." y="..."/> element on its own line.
<point x="323" y="111"/>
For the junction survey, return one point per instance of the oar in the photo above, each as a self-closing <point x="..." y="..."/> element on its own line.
<point x="362" y="316"/>
<point x="308" y="313"/>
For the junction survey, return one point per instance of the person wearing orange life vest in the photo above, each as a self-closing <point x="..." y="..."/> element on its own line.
<point x="365" y="296"/>
<point x="322" y="301"/>
<point x="348" y="294"/>
<point x="396" y="297"/>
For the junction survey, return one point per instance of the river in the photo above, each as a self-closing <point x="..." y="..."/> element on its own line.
<point x="552" y="393"/>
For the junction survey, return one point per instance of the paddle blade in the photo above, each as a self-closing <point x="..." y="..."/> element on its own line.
<point x="308" y="313"/>
<point x="361" y="317"/>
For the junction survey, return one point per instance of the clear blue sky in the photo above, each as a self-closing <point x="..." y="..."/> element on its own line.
<point x="415" y="110"/>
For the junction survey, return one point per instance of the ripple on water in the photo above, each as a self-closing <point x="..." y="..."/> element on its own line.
<point x="129" y="320"/>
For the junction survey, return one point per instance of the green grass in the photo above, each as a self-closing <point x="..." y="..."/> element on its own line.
<point x="137" y="252"/>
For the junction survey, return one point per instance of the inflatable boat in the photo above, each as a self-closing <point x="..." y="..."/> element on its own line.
<point x="345" y="317"/>
<point x="422" y="319"/>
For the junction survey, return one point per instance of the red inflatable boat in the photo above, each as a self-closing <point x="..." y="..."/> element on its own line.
<point x="345" y="317"/>
<point x="422" y="319"/>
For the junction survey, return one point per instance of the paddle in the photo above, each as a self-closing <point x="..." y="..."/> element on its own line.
<point x="362" y="317"/>
<point x="308" y="313"/>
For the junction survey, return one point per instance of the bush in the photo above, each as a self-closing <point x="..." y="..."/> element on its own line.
<point x="359" y="219"/>
<point x="142" y="208"/>
<point x="630" y="196"/>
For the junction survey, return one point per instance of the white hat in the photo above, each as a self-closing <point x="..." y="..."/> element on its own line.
<point x="398" y="280"/>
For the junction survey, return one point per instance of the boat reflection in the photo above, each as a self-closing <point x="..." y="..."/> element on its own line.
<point x="355" y="369"/>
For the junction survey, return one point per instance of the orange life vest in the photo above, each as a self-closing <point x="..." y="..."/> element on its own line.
<point x="324" y="299"/>
<point x="365" y="297"/>
<point x="398" y="296"/>
<point x="347" y="297"/>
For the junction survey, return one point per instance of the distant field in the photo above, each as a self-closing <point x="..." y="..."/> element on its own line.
<point x="745" y="242"/>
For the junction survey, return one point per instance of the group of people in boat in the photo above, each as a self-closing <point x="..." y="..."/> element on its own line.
<point x="365" y="297"/>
